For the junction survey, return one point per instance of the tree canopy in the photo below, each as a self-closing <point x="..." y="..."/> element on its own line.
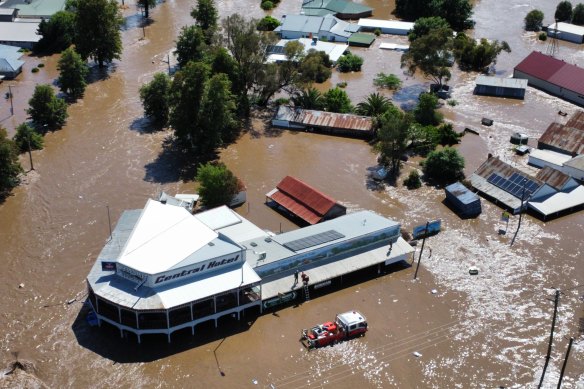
<point x="218" y="184"/>
<point x="471" y="55"/>
<point x="389" y="81"/>
<point x="315" y="66"/>
<point x="563" y="11"/>
<point x="97" y="26"/>
<point x="425" y="111"/>
<point x="57" y="33"/>
<point x="205" y="15"/>
<point x="309" y="98"/>
<point x="423" y="26"/>
<point x="374" y="105"/>
<point x="9" y="166"/>
<point x="350" y="63"/>
<point x="337" y="100"/>
<point x="147" y="5"/>
<point x="578" y="15"/>
<point x="47" y="111"/>
<point x="444" y="166"/>
<point x="431" y="54"/>
<point x="155" y="97"/>
<point x="27" y="136"/>
<point x="73" y="71"/>
<point x="190" y="45"/>
<point x="268" y="23"/>
<point x="392" y="137"/>
<point x="457" y="13"/>
<point x="534" y="20"/>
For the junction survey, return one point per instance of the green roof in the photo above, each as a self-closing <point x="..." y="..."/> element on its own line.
<point x="321" y="8"/>
<point x="35" y="8"/>
<point x="361" y="39"/>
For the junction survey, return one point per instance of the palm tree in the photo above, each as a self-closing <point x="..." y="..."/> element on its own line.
<point x="309" y="98"/>
<point x="375" y="105"/>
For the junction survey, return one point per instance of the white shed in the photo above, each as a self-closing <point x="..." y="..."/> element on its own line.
<point x="567" y="32"/>
<point x="395" y="27"/>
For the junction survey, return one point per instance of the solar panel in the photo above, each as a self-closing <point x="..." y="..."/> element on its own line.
<point x="514" y="184"/>
<point x="313" y="240"/>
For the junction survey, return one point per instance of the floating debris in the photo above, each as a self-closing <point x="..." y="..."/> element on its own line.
<point x="473" y="271"/>
<point x="417" y="354"/>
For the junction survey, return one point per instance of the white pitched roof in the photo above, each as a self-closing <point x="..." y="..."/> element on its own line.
<point x="559" y="201"/>
<point x="164" y="236"/>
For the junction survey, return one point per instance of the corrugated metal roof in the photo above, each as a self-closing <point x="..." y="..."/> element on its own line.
<point x="392" y="24"/>
<point x="35" y="8"/>
<point x="560" y="201"/>
<point x="302" y="199"/>
<point x="462" y="193"/>
<point x="337" y="120"/>
<point x="553" y="70"/>
<point x="362" y="38"/>
<point x="569" y="137"/>
<point x="515" y="83"/>
<point x="576" y="163"/>
<point x="301" y="23"/>
<point x="19" y="32"/>
<point x="567" y="27"/>
<point x="553" y="177"/>
<point x="335" y="6"/>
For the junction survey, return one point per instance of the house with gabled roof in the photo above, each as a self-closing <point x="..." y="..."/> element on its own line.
<point x="342" y="9"/>
<point x="10" y="63"/>
<point x="326" y="27"/>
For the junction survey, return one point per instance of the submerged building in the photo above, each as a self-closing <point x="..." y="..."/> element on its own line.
<point x="164" y="269"/>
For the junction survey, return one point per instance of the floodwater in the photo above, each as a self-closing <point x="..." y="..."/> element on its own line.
<point x="485" y="331"/>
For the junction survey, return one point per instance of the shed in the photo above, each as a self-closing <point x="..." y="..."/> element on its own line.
<point x="361" y="39"/>
<point x="394" y="46"/>
<point x="8" y="14"/>
<point x="566" y="31"/>
<point x="500" y="87"/>
<point x="465" y="203"/>
<point x="304" y="201"/>
<point x="395" y="27"/>
<point x="543" y="158"/>
<point x="10" y="63"/>
<point x="19" y="34"/>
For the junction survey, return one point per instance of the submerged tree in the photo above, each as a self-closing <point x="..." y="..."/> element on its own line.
<point x="392" y="137"/>
<point x="337" y="100"/>
<point x="309" y="98"/>
<point x="26" y="138"/>
<point x="190" y="45"/>
<point x="147" y="5"/>
<point x="471" y="55"/>
<point x="9" y="166"/>
<point x="578" y="15"/>
<point x="431" y="54"/>
<point x="374" y="105"/>
<point x="218" y="184"/>
<point x="444" y="166"/>
<point x="57" y="33"/>
<point x="73" y="71"/>
<point x="97" y="26"/>
<point x="47" y="111"/>
<point x="534" y="20"/>
<point x="155" y="97"/>
<point x="563" y="11"/>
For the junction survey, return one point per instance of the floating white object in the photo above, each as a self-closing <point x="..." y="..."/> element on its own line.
<point x="434" y="291"/>
<point x="417" y="354"/>
<point x="473" y="271"/>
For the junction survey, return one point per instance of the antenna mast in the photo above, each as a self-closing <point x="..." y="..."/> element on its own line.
<point x="553" y="48"/>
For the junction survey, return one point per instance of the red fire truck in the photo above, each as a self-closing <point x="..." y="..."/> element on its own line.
<point x="346" y="325"/>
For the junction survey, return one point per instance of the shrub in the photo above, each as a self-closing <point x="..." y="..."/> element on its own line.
<point x="445" y="166"/>
<point x="350" y="63"/>
<point x="35" y="70"/>
<point x="41" y="65"/>
<point x="342" y="84"/>
<point x="452" y="102"/>
<point x="268" y="23"/>
<point x="267" y="5"/>
<point x="377" y="32"/>
<point x="542" y="36"/>
<point x="413" y="181"/>
<point x="534" y="20"/>
<point x="390" y="81"/>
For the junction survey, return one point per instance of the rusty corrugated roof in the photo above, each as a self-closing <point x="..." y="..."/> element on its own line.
<point x="569" y="137"/>
<point x="343" y="121"/>
<point x="553" y="177"/>
<point x="303" y="200"/>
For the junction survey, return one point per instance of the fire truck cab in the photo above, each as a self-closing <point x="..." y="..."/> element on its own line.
<point x="346" y="325"/>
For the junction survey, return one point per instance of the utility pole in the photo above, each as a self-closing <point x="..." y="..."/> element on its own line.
<point x="11" y="105"/>
<point x="422" y="249"/>
<point x="520" y="212"/>
<point x="29" y="152"/>
<point x="109" y="221"/>
<point x="168" y="62"/>
<point x="549" y="352"/>
<point x="565" y="362"/>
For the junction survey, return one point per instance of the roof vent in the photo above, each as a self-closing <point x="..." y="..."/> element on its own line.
<point x="253" y="244"/>
<point x="268" y="239"/>
<point x="211" y="244"/>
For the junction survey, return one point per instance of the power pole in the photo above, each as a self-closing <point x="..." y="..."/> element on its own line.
<point x="11" y="105"/>
<point x="30" y="153"/>
<point x="520" y="212"/>
<point x="549" y="352"/>
<point x="565" y="362"/>
<point x="421" y="249"/>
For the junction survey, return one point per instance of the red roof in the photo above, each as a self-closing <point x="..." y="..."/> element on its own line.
<point x="554" y="71"/>
<point x="569" y="137"/>
<point x="303" y="200"/>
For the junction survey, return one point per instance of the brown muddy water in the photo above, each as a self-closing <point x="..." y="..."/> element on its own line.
<point x="485" y="331"/>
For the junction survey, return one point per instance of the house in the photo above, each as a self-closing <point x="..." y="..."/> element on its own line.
<point x="543" y="158"/>
<point x="8" y="14"/>
<point x="10" y="63"/>
<point x="343" y="124"/>
<point x="342" y="9"/>
<point x="35" y="9"/>
<point x="333" y="50"/>
<point x="500" y="87"/>
<point x="465" y="203"/>
<point x="19" y="34"/>
<point x="567" y="139"/>
<point x="394" y="27"/>
<point x="553" y="76"/>
<point x="566" y="31"/>
<point x="550" y="193"/>
<point x="575" y="168"/>
<point x="327" y="28"/>
<point x="304" y="201"/>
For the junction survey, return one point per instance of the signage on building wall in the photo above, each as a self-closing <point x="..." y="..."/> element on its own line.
<point x="197" y="269"/>
<point x="322" y="284"/>
<point x="280" y="299"/>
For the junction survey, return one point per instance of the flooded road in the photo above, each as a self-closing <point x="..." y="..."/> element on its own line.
<point x="487" y="331"/>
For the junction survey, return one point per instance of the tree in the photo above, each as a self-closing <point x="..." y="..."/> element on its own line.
<point x="431" y="54"/>
<point x="218" y="184"/>
<point x="315" y="67"/>
<point x="413" y="180"/>
<point x="205" y="15"/>
<point x="375" y="105"/>
<point x="533" y="20"/>
<point x="26" y="137"/>
<point x="447" y="136"/>
<point x="425" y="112"/>
<point x="249" y="50"/>
<point x="155" y="97"/>
<point x="147" y="4"/>
<point x="389" y="81"/>
<point x="337" y="100"/>
<point x="578" y="15"/>
<point x="477" y="57"/>
<point x="73" y="71"/>
<point x="97" y="26"/>
<point x="217" y="112"/>
<point x="268" y="23"/>
<point x="47" y="111"/>
<point x="9" y="166"/>
<point x="57" y="33"/>
<point x="563" y="11"/>
<point x="190" y="45"/>
<point x="456" y="12"/>
<point x="350" y="63"/>
<point x="423" y="26"/>
<point x="444" y="166"/>
<point x="393" y="133"/>
<point x="309" y="98"/>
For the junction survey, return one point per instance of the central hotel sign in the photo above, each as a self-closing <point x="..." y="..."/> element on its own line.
<point x="196" y="269"/>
